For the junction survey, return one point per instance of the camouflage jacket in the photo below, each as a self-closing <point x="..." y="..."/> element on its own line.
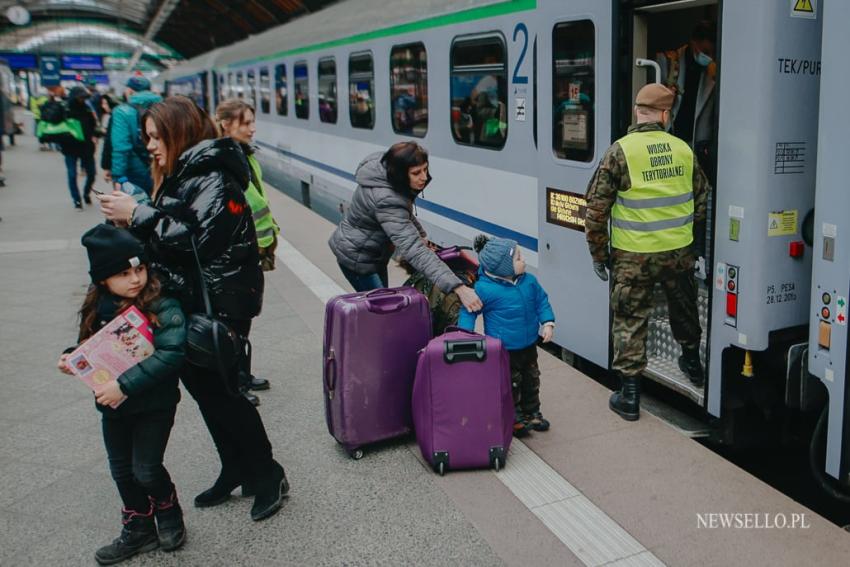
<point x="611" y="177"/>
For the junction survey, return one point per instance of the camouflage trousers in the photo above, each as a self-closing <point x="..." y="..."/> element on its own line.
<point x="525" y="380"/>
<point x="635" y="276"/>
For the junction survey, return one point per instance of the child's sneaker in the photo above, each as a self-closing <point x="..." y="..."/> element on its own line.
<point x="521" y="427"/>
<point x="537" y="422"/>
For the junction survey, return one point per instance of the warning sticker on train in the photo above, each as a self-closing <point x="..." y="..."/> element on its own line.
<point x="804" y="9"/>
<point x="782" y="223"/>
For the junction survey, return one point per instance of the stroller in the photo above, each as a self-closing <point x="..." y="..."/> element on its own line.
<point x="445" y="307"/>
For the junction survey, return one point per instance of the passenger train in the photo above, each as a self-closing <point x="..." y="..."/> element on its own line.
<point x="516" y="102"/>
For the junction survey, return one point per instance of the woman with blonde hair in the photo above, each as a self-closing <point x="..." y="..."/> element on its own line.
<point x="236" y="120"/>
<point x="199" y="186"/>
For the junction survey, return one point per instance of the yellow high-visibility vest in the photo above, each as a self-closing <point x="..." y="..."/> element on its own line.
<point x="657" y="213"/>
<point x="264" y="223"/>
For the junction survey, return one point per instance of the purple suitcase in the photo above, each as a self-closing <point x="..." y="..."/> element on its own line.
<point x="371" y="343"/>
<point x="463" y="411"/>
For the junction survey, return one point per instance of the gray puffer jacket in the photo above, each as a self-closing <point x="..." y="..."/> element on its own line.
<point x="378" y="216"/>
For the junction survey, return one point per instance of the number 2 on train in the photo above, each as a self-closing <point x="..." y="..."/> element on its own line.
<point x="518" y="79"/>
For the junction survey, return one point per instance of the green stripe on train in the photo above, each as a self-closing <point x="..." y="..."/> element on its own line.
<point x="480" y="13"/>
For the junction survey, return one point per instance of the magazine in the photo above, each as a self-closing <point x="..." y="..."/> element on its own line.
<point x="121" y="344"/>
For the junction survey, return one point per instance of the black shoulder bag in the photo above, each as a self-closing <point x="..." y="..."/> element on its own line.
<point x="210" y="342"/>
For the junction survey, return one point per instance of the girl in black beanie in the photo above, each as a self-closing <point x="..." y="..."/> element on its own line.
<point x="136" y="431"/>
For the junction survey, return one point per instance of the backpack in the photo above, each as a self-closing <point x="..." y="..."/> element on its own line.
<point x="54" y="111"/>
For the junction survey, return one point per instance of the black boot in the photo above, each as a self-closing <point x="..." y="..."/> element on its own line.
<point x="220" y="491"/>
<point x="270" y="492"/>
<point x="169" y="522"/>
<point x="690" y="364"/>
<point x="626" y="401"/>
<point x="137" y="536"/>
<point x="258" y="384"/>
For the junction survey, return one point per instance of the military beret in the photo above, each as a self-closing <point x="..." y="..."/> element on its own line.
<point x="655" y="96"/>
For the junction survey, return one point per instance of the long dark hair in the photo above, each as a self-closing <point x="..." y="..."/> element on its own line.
<point x="399" y="159"/>
<point x="88" y="312"/>
<point x="180" y="124"/>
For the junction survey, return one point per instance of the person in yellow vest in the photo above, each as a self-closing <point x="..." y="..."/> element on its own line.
<point x="652" y="190"/>
<point x="236" y="119"/>
<point x="35" y="107"/>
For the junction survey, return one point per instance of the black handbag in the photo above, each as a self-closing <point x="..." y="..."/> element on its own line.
<point x="211" y="343"/>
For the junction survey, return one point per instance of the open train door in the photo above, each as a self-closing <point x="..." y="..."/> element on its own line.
<point x="574" y="124"/>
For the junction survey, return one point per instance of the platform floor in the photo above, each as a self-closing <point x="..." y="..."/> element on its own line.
<point x="594" y="490"/>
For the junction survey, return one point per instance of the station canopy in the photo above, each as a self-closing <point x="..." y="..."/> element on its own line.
<point x="158" y="31"/>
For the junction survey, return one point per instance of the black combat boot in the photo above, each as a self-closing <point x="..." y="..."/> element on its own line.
<point x="270" y="492"/>
<point x="690" y="364"/>
<point x="137" y="536"/>
<point x="169" y="522"/>
<point x="626" y="401"/>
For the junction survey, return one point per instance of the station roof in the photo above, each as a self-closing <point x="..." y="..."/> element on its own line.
<point x="161" y="28"/>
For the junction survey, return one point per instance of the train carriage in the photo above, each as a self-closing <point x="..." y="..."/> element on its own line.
<point x="516" y="102"/>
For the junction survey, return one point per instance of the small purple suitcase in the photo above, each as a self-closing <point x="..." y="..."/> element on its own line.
<point x="371" y="343"/>
<point x="463" y="411"/>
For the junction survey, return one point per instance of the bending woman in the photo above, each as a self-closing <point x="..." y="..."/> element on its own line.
<point x="199" y="185"/>
<point x="380" y="219"/>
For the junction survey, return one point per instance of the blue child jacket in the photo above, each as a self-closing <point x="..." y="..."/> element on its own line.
<point x="513" y="312"/>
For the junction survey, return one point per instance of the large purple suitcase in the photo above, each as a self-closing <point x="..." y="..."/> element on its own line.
<point x="463" y="411"/>
<point x="371" y="343"/>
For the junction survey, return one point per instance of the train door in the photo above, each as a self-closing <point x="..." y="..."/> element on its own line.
<point x="828" y="337"/>
<point x="662" y="42"/>
<point x="574" y="57"/>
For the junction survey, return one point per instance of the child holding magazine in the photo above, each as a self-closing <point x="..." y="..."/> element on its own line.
<point x="138" y="408"/>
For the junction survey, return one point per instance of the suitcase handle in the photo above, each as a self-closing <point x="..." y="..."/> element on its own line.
<point x="456" y="329"/>
<point x="387" y="304"/>
<point x="460" y="351"/>
<point x="330" y="374"/>
<point x="381" y="291"/>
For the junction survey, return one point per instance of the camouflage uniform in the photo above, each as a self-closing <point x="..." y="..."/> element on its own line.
<point x="635" y="274"/>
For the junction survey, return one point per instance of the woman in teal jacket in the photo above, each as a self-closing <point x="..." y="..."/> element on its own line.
<point x="130" y="159"/>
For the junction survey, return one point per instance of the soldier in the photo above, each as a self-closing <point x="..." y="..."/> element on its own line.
<point x="651" y="188"/>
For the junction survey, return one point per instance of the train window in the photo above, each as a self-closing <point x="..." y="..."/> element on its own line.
<point x="479" y="91"/>
<point x="252" y="88"/>
<point x="229" y="91"/>
<point x="573" y="90"/>
<point x="240" y="85"/>
<point x="265" y="91"/>
<point x="409" y="89"/>
<point x="219" y="95"/>
<point x="281" y="98"/>
<point x="327" y="90"/>
<point x="302" y="91"/>
<point x="361" y="90"/>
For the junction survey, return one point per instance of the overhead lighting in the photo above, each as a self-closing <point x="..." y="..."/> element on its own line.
<point x="18" y="15"/>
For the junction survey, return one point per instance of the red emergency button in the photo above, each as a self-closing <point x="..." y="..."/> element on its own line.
<point x="731" y="285"/>
<point x="731" y="305"/>
<point x="796" y="249"/>
<point x="825" y="313"/>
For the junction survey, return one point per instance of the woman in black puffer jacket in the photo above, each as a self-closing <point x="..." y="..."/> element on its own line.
<point x="199" y="185"/>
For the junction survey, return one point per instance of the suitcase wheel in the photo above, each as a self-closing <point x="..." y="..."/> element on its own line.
<point x="440" y="462"/>
<point x="356" y="454"/>
<point x="498" y="455"/>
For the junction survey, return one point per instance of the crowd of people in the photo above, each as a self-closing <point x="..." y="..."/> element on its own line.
<point x="188" y="235"/>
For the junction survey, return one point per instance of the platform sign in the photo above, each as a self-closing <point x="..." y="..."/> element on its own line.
<point x="50" y="71"/>
<point x="19" y="61"/>
<point x="82" y="62"/>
